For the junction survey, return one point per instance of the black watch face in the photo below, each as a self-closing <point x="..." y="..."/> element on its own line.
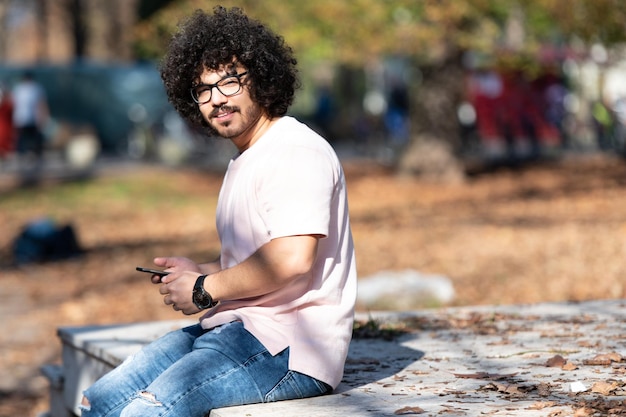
<point x="202" y="300"/>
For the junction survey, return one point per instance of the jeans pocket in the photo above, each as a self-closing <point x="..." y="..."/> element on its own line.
<point x="295" y="385"/>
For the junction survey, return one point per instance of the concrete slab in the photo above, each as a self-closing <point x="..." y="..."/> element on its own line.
<point x="554" y="359"/>
<point x="481" y="361"/>
<point x="91" y="351"/>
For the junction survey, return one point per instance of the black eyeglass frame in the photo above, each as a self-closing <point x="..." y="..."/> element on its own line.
<point x="210" y="87"/>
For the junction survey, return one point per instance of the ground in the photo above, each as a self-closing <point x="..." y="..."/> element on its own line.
<point x="544" y="232"/>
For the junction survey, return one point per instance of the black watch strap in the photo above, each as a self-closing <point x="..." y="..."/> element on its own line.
<point x="201" y="298"/>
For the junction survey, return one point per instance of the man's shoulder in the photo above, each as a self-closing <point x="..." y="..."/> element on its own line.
<point x="290" y="123"/>
<point x="291" y="131"/>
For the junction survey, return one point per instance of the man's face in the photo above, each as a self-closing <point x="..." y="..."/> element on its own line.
<point x="233" y="116"/>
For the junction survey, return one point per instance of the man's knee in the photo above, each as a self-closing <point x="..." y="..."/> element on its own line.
<point x="139" y="406"/>
<point x="149" y="397"/>
<point x="85" y="405"/>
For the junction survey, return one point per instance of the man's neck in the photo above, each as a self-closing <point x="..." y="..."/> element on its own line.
<point x="244" y="141"/>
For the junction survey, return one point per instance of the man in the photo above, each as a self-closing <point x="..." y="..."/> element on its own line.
<point x="30" y="113"/>
<point x="279" y="301"/>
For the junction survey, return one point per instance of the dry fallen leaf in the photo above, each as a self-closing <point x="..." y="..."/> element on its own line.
<point x="604" y="359"/>
<point x="587" y="343"/>
<point x="404" y="411"/>
<point x="485" y="375"/>
<point x="604" y="387"/>
<point x="512" y="389"/>
<point x="544" y="389"/>
<point x="557" y="361"/>
<point x="584" y="412"/>
<point x="540" y="405"/>
<point x="569" y="366"/>
<point x="603" y="407"/>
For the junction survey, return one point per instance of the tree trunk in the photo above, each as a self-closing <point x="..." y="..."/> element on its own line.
<point x="4" y="32"/>
<point x="41" y="19"/>
<point x="433" y="151"/>
<point x="76" y="11"/>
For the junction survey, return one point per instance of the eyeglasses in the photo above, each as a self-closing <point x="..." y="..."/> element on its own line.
<point x="228" y="86"/>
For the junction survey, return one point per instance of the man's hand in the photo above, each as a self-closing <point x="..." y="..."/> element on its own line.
<point x="177" y="291"/>
<point x="177" y="286"/>
<point x="177" y="264"/>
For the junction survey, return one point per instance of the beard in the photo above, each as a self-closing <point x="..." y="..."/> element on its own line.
<point x="239" y="125"/>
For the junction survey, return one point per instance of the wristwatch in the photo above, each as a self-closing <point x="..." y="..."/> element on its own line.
<point x="201" y="298"/>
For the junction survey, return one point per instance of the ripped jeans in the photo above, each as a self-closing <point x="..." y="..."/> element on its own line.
<point x="191" y="371"/>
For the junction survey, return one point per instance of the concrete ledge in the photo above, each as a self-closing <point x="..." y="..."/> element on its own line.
<point x="526" y="360"/>
<point x="90" y="352"/>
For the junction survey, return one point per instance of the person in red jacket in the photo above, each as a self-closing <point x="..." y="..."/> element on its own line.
<point x="7" y="131"/>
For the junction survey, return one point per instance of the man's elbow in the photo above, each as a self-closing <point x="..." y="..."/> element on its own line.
<point x="298" y="265"/>
<point x="295" y="257"/>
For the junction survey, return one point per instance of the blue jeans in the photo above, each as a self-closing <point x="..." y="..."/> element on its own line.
<point x="191" y="371"/>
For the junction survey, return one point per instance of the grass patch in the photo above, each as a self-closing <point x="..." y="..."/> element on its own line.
<point x="136" y="192"/>
<point x="373" y="329"/>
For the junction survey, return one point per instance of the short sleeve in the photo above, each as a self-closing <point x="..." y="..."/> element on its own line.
<point x="295" y="196"/>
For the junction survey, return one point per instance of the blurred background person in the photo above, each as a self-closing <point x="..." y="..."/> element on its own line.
<point x="602" y="124"/>
<point x="397" y="114"/>
<point x="619" y="110"/>
<point x="30" y="113"/>
<point x="7" y="133"/>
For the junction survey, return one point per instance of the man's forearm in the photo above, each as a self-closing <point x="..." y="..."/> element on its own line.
<point x="273" y="266"/>
<point x="211" y="267"/>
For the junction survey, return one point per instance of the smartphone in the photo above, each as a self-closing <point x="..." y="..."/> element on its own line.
<point x="152" y="271"/>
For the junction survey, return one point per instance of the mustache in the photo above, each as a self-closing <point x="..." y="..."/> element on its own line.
<point x="224" y="108"/>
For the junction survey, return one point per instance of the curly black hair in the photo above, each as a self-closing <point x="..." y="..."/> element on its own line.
<point x="208" y="41"/>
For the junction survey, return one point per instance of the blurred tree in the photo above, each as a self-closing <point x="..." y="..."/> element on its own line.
<point x="100" y="28"/>
<point x="146" y="8"/>
<point x="4" y="24"/>
<point x="76" y="12"/>
<point x="41" y="19"/>
<point x="433" y="34"/>
<point x="12" y="12"/>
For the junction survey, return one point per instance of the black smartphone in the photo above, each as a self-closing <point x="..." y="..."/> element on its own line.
<point x="152" y="271"/>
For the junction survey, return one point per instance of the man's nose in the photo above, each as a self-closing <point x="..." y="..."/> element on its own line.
<point x="217" y="98"/>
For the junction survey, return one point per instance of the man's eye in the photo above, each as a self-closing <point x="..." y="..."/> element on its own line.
<point x="229" y="82"/>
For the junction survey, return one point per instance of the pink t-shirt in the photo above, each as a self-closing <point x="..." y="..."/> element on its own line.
<point x="290" y="182"/>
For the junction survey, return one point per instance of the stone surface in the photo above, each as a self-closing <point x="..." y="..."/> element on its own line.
<point x="559" y="359"/>
<point x="535" y="360"/>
